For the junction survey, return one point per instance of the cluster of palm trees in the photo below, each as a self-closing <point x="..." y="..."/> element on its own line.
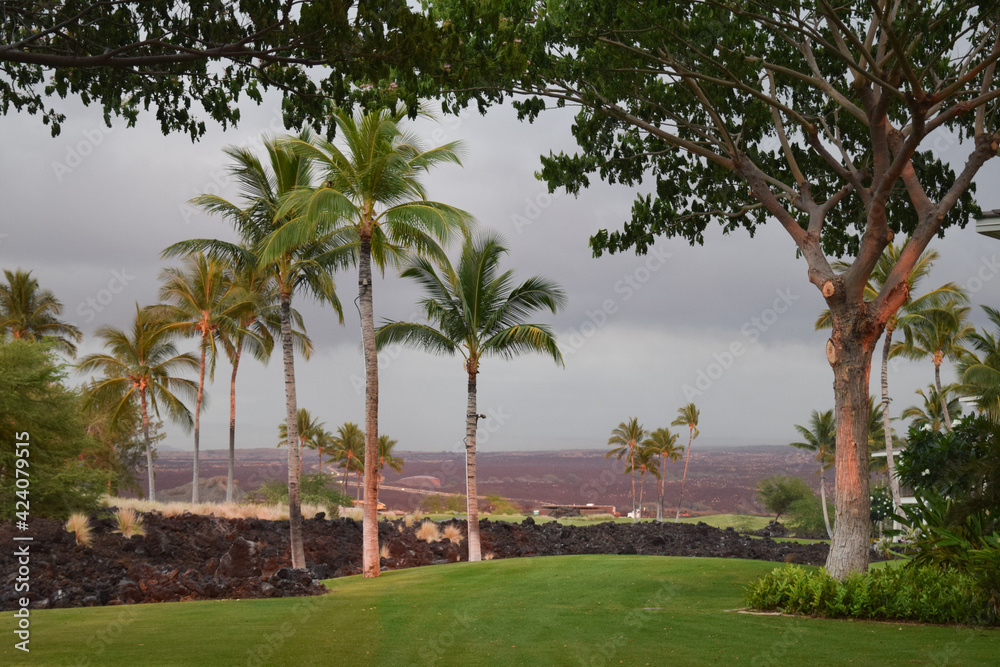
<point x="649" y="452"/>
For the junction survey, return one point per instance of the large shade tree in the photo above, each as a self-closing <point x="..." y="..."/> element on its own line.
<point x="299" y="268"/>
<point x="816" y="115"/>
<point x="28" y="312"/>
<point x="476" y="310"/>
<point x="141" y="368"/>
<point x="370" y="197"/>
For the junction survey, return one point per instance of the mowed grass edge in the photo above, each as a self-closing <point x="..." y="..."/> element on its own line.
<point x="566" y="610"/>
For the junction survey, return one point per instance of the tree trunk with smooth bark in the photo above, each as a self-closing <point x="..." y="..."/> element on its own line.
<point x="150" y="472"/>
<point x="944" y="399"/>
<point x="291" y="424"/>
<point x="195" y="482"/>
<point x="472" y="500"/>
<point x="822" y="500"/>
<point x="369" y="551"/>
<point x="232" y="425"/>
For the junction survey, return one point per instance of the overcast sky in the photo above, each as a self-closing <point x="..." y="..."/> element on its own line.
<point x="90" y="211"/>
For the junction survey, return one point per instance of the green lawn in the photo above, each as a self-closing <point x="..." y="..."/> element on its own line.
<point x="569" y="610"/>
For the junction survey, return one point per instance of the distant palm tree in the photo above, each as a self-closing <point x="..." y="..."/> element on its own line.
<point x="322" y="442"/>
<point x="385" y="457"/>
<point x="297" y="268"/>
<point x="476" y="311"/>
<point x="686" y="416"/>
<point x="30" y="313"/>
<point x="931" y="414"/>
<point x="307" y="429"/>
<point x="626" y="438"/>
<point x="938" y="333"/>
<point x="141" y="367"/>
<point x="349" y="451"/>
<point x="372" y="198"/>
<point x="902" y="319"/>
<point x="821" y="438"/>
<point x="980" y="373"/>
<point x="645" y="461"/>
<point x="201" y="302"/>
<point x="663" y="443"/>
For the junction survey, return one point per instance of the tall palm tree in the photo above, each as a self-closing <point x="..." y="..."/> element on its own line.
<point x="298" y="268"/>
<point x="201" y="302"/>
<point x="476" y="311"/>
<point x="931" y="414"/>
<point x="349" y="450"/>
<point x="664" y="444"/>
<point x="307" y="428"/>
<point x="141" y="367"/>
<point x="645" y="461"/>
<point x="820" y="437"/>
<point x="385" y="457"/>
<point x="938" y="333"/>
<point x="626" y="438"/>
<point x="31" y="313"/>
<point x="902" y="319"/>
<point x="686" y="416"/>
<point x="322" y="442"/>
<point x="372" y="198"/>
<point x="980" y="373"/>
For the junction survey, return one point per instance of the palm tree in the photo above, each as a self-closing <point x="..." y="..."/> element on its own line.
<point x="686" y="416"/>
<point x="322" y="442"/>
<point x="938" y="333"/>
<point x="349" y="451"/>
<point x="371" y="198"/>
<point x="645" y="461"/>
<point x="663" y="443"/>
<point x="626" y="439"/>
<point x="385" y="457"/>
<point x="30" y="313"/>
<point x="307" y="428"/>
<point x="478" y="312"/>
<point x="302" y="267"/>
<point x="902" y="319"/>
<point x="141" y="366"/>
<point x="931" y="415"/>
<point x="201" y="302"/>
<point x="981" y="374"/>
<point x="821" y="438"/>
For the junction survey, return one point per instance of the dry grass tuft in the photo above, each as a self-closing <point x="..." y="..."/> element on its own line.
<point x="429" y="532"/>
<point x="383" y="552"/>
<point x="129" y="522"/>
<point x="488" y="555"/>
<point x="409" y="519"/>
<point x="453" y="533"/>
<point x="356" y="513"/>
<point x="225" y="510"/>
<point x="79" y="525"/>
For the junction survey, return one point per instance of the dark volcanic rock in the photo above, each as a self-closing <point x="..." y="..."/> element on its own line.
<point x="192" y="557"/>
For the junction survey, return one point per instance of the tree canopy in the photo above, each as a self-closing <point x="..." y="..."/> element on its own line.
<point x="130" y="57"/>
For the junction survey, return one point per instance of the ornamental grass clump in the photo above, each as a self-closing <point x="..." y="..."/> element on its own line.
<point x="79" y="525"/>
<point x="429" y="532"/>
<point x="453" y="533"/>
<point x="129" y="522"/>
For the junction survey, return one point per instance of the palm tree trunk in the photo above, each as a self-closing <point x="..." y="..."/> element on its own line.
<point x="197" y="424"/>
<point x="944" y="399"/>
<point x="472" y="501"/>
<point x="291" y="425"/>
<point x="822" y="499"/>
<point x="890" y="458"/>
<point x="347" y="472"/>
<point x="642" y="491"/>
<point x="232" y="424"/>
<point x="369" y="551"/>
<point x="150" y="472"/>
<point x="662" y="483"/>
<point x="687" y="458"/>
<point x="631" y="465"/>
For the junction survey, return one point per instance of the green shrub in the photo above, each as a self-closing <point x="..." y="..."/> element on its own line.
<point x="805" y="517"/>
<point x="314" y="489"/>
<point x="497" y="504"/>
<point x="911" y="593"/>
<point x="778" y="493"/>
